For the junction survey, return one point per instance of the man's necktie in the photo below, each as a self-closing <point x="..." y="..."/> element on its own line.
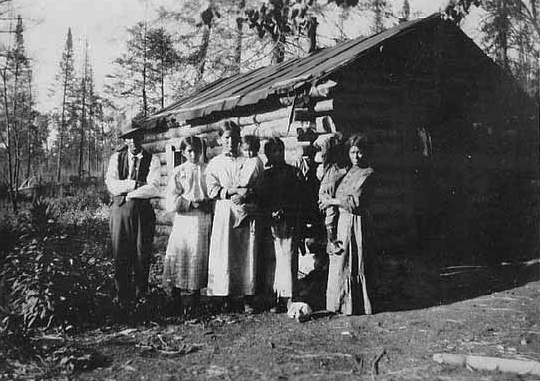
<point x="133" y="172"/>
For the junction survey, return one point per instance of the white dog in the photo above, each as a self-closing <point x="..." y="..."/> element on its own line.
<point x="299" y="310"/>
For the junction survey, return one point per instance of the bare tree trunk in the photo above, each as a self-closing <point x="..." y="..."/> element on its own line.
<point x="89" y="151"/>
<point x="504" y="35"/>
<point x="84" y="123"/>
<point x="28" y="152"/>
<point x="29" y="132"/>
<point x="536" y="25"/>
<point x="343" y="15"/>
<point x="239" y="37"/>
<point x="12" y="187"/>
<point x="162" y="79"/>
<point x="201" y="59"/>
<point x="144" y="73"/>
<point x="278" y="54"/>
<point x="378" y="25"/>
<point x="16" y="124"/>
<point x="61" y="134"/>
<point x="312" y="33"/>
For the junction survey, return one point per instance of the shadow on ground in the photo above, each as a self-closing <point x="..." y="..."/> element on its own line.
<point x="418" y="280"/>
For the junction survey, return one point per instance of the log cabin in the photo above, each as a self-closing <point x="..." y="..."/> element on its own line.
<point x="455" y="138"/>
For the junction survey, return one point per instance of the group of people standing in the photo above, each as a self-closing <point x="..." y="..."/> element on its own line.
<point x="239" y="224"/>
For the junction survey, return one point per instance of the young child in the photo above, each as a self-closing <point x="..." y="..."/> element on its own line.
<point x="333" y="170"/>
<point x="186" y="259"/>
<point x="281" y="199"/>
<point x="249" y="175"/>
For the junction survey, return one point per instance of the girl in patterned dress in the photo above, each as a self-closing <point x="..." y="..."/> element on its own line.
<point x="186" y="260"/>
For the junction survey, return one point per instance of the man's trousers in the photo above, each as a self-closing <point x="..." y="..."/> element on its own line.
<point x="132" y="225"/>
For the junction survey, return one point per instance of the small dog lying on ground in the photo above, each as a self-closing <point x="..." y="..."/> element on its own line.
<point x="299" y="310"/>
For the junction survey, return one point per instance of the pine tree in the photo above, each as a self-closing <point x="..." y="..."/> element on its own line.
<point x="131" y="80"/>
<point x="66" y="81"/>
<point x="83" y="125"/>
<point x="380" y="9"/>
<point x="163" y="58"/>
<point x="497" y="28"/>
<point x="17" y="104"/>
<point x="505" y="20"/>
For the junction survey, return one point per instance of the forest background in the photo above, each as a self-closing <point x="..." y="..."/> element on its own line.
<point x="60" y="119"/>
<point x="73" y="74"/>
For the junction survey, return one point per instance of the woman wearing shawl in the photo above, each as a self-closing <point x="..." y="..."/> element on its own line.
<point x="347" y="289"/>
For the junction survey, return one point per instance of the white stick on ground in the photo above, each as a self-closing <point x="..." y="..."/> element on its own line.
<point x="489" y="363"/>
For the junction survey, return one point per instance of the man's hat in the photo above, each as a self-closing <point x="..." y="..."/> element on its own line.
<point x="132" y="129"/>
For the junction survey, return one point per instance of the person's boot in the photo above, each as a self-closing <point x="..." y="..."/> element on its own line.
<point x="193" y="304"/>
<point x="280" y="307"/>
<point x="227" y="305"/>
<point x="248" y="305"/>
<point x="177" y="308"/>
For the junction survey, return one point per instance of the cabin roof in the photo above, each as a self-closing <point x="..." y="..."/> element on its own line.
<point x="249" y="88"/>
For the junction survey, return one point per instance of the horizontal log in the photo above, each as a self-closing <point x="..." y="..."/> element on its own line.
<point x="274" y="129"/>
<point x="181" y="132"/>
<point x="158" y="146"/>
<point x="354" y="106"/>
<point x="325" y="124"/>
<point x="262" y="117"/>
<point x="489" y="363"/>
<point x="307" y="114"/>
<point x="267" y="129"/>
<point x="176" y="132"/>
<point x="324" y="106"/>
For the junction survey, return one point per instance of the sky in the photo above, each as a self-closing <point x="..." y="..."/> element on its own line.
<point x="103" y="23"/>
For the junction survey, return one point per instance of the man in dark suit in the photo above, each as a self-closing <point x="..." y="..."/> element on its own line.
<point x="132" y="178"/>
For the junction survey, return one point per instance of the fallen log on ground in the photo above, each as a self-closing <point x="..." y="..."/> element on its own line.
<point x="489" y="363"/>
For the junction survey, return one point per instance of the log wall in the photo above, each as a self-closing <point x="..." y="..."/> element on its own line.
<point x="388" y="95"/>
<point x="274" y="123"/>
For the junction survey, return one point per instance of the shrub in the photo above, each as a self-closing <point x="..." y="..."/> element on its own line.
<point x="55" y="279"/>
<point x="59" y="272"/>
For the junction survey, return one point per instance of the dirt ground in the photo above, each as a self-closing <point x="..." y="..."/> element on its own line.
<point x="422" y="309"/>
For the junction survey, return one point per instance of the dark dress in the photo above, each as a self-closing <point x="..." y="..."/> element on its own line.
<point x="281" y="200"/>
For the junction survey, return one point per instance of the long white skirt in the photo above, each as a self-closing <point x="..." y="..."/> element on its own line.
<point x="233" y="254"/>
<point x="186" y="258"/>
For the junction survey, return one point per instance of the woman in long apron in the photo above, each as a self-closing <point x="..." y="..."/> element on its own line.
<point x="232" y="262"/>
